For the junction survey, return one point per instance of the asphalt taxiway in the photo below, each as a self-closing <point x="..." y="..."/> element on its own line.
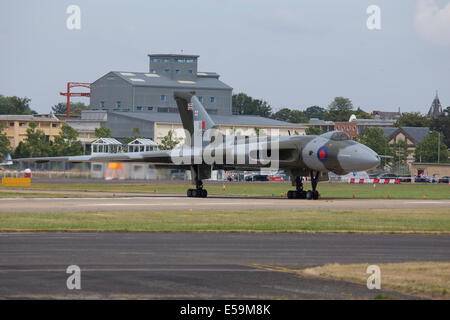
<point x="199" y="265"/>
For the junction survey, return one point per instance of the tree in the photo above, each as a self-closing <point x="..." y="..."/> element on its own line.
<point x="316" y="112"/>
<point x="375" y="140"/>
<point x="136" y="135"/>
<point x="401" y="154"/>
<point x="5" y="145"/>
<point x="21" y="151"/>
<point x="313" y="131"/>
<point x="427" y="150"/>
<point x="442" y="124"/>
<point x="340" y="109"/>
<point x="361" y="114"/>
<point x="36" y="144"/>
<point x="244" y="104"/>
<point x="75" y="108"/>
<point x="282" y="115"/>
<point x="288" y="115"/>
<point x="15" y="105"/>
<point x="168" y="142"/>
<point x="103" y="132"/>
<point x="66" y="143"/>
<point x="413" y="119"/>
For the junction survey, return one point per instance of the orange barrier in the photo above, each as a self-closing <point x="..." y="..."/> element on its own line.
<point x="16" y="182"/>
<point x="116" y="168"/>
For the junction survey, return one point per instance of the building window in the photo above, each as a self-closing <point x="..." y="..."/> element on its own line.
<point x="152" y="71"/>
<point x="102" y="104"/>
<point x="21" y="124"/>
<point x="185" y="60"/>
<point x="190" y="71"/>
<point x="177" y="71"/>
<point x="11" y="124"/>
<point x="200" y="99"/>
<point x="54" y="125"/>
<point x="150" y="108"/>
<point x="159" y="60"/>
<point x="163" y="97"/>
<point x="139" y="108"/>
<point x="212" y="111"/>
<point x="166" y="71"/>
<point x="212" y="100"/>
<point x="118" y="104"/>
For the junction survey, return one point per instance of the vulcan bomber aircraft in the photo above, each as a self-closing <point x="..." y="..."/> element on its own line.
<point x="206" y="149"/>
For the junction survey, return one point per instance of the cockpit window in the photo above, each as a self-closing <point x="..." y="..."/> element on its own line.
<point x="339" y="136"/>
<point x="336" y="135"/>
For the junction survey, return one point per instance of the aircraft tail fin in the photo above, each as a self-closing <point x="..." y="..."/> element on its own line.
<point x="191" y="110"/>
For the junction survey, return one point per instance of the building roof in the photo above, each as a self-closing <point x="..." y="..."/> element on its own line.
<point x="320" y="121"/>
<point x="218" y="119"/>
<point x="415" y="133"/>
<point x="206" y="80"/>
<point x="28" y="117"/>
<point x="436" y="108"/>
<point x="386" y="122"/>
<point x="173" y="55"/>
<point x="109" y="141"/>
<point x="142" y="141"/>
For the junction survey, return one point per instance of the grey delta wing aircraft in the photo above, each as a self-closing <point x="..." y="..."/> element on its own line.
<point x="207" y="149"/>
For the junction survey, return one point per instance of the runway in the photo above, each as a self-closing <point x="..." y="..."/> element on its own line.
<point x="180" y="202"/>
<point x="198" y="265"/>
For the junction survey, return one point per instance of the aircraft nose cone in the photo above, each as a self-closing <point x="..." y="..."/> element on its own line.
<point x="358" y="158"/>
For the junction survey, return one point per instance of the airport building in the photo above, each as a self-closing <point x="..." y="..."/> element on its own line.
<point x="152" y="91"/>
<point x="411" y="135"/>
<point x="16" y="126"/>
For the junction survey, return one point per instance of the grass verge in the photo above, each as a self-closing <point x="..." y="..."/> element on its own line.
<point x="424" y="279"/>
<point x="327" y="190"/>
<point x="370" y="221"/>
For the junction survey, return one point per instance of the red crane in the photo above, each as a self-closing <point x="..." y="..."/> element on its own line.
<point x="75" y="94"/>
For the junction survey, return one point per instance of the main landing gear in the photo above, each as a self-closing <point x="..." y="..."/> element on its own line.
<point x="198" y="192"/>
<point x="299" y="193"/>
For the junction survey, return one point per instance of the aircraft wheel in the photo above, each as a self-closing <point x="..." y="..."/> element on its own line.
<point x="189" y="193"/>
<point x="315" y="195"/>
<point x="301" y="194"/>
<point x="309" y="194"/>
<point x="291" y="194"/>
<point x="194" y="193"/>
<point x="204" y="193"/>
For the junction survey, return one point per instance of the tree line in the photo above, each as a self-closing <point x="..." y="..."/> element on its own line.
<point x="340" y="109"/>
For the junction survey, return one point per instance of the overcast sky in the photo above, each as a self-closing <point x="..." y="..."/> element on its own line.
<point x="291" y="53"/>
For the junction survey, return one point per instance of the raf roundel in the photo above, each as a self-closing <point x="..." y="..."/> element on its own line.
<point x="322" y="154"/>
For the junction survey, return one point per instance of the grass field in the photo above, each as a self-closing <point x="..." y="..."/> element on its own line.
<point x="327" y="190"/>
<point x="372" y="221"/>
<point x="425" y="279"/>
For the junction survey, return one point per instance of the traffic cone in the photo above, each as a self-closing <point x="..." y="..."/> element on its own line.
<point x="353" y="196"/>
